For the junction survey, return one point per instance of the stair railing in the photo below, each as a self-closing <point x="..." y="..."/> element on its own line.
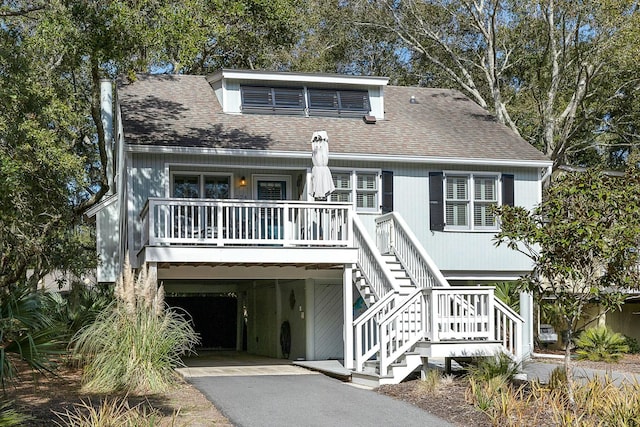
<point x="394" y="236"/>
<point x="378" y="277"/>
<point x="508" y="328"/>
<point x="366" y="331"/>
<point x="401" y="329"/>
<point x="370" y="262"/>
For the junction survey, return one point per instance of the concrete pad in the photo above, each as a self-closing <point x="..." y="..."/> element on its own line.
<point x="242" y="371"/>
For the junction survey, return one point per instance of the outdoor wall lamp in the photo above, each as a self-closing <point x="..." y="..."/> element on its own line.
<point x="243" y="181"/>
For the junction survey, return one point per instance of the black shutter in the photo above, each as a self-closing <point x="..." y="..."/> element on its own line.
<point x="387" y="192"/>
<point x="507" y="190"/>
<point x="436" y="202"/>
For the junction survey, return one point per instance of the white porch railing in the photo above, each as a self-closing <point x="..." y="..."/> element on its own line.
<point x="168" y="221"/>
<point x="394" y="236"/>
<point x="436" y="315"/>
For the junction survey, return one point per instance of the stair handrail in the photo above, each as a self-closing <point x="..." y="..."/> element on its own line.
<point x="392" y="231"/>
<point x="390" y="352"/>
<point x="370" y="262"/>
<point x="366" y="334"/>
<point x="508" y="328"/>
<point x="394" y="235"/>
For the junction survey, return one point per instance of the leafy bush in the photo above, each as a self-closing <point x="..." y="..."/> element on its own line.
<point x="508" y="293"/>
<point x="79" y="307"/>
<point x="634" y="345"/>
<point x="500" y="365"/>
<point x="601" y="344"/>
<point x="27" y="333"/>
<point x="114" y="412"/>
<point x="134" y="344"/>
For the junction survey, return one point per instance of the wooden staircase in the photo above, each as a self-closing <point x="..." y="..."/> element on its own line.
<point x="414" y="314"/>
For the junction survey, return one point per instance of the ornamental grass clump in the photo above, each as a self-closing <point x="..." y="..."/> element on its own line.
<point x="110" y="412"/>
<point x="135" y="343"/>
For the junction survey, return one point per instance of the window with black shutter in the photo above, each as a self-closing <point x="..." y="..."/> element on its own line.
<point x="436" y="201"/>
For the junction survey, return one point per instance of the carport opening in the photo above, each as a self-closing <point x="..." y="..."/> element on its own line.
<point x="214" y="318"/>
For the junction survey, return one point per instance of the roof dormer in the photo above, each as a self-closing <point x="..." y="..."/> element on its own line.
<point x="303" y="94"/>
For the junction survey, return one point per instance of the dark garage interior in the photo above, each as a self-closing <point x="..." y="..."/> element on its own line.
<point x="214" y="318"/>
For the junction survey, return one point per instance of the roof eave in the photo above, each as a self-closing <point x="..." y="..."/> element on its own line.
<point x="258" y="75"/>
<point x="533" y="163"/>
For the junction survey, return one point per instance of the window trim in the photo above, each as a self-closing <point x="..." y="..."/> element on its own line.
<point x="470" y="175"/>
<point x="353" y="176"/>
<point x="269" y="177"/>
<point x="201" y="176"/>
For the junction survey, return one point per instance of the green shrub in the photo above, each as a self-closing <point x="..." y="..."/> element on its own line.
<point x="634" y="345"/>
<point x="601" y="344"/>
<point x="27" y="332"/>
<point x="500" y="365"/>
<point x="134" y="345"/>
<point x="79" y="307"/>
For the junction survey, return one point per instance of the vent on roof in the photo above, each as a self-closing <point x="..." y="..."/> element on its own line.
<point x="263" y="99"/>
<point x="370" y="120"/>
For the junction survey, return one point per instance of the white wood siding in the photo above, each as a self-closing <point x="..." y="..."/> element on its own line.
<point x="452" y="251"/>
<point x="328" y="322"/>
<point x="107" y="225"/>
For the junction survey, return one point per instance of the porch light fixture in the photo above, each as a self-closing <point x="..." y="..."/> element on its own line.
<point x="243" y="181"/>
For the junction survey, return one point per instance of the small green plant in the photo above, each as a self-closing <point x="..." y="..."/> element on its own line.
<point x="9" y="417"/>
<point x="110" y="412"/>
<point x="500" y="365"/>
<point x="134" y="345"/>
<point x="601" y="344"/>
<point x="431" y="382"/>
<point x="558" y="379"/>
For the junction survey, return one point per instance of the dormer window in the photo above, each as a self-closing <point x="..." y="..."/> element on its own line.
<point x="340" y="102"/>
<point x="307" y="101"/>
<point x="265" y="99"/>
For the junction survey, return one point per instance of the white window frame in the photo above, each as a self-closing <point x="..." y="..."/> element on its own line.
<point x="353" y="175"/>
<point x="267" y="177"/>
<point x="201" y="178"/>
<point x="471" y="201"/>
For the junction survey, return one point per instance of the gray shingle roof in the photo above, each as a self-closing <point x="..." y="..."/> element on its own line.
<point x="170" y="110"/>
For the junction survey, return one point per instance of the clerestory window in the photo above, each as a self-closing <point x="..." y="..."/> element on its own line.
<point x="303" y="100"/>
<point x="272" y="99"/>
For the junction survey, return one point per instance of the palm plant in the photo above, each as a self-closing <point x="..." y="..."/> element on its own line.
<point x="79" y="307"/>
<point x="27" y="332"/>
<point x="601" y="344"/>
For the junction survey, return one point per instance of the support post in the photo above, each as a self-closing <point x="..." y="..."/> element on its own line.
<point x="425" y="368"/>
<point x="309" y="302"/>
<point x="526" y="311"/>
<point x="347" y="290"/>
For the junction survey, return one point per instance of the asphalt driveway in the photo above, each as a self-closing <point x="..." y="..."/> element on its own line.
<point x="275" y="393"/>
